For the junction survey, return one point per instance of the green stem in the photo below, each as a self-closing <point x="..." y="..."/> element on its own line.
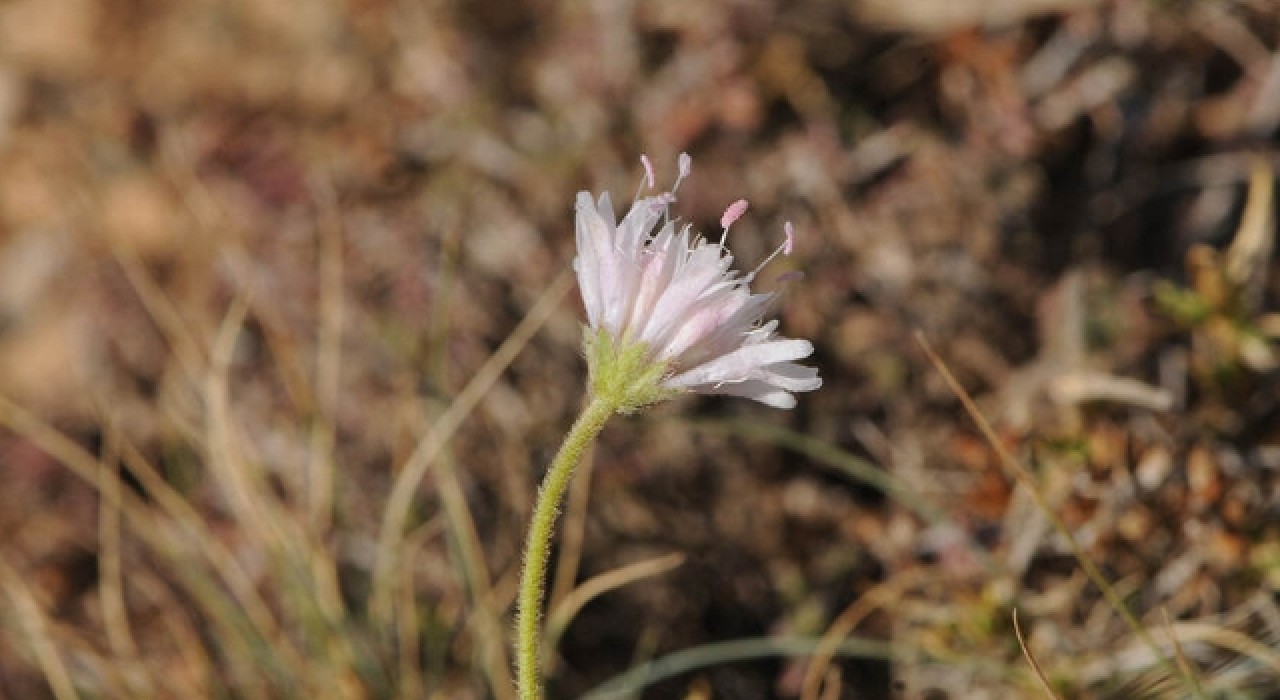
<point x="538" y="545"/>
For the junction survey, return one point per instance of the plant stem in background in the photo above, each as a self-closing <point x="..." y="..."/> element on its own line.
<point x="538" y="544"/>
<point x="432" y="444"/>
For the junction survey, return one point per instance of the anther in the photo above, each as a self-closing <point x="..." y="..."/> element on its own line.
<point x="685" y="165"/>
<point x="733" y="213"/>
<point x="784" y="249"/>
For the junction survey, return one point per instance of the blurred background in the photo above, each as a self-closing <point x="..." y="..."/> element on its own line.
<point x="259" y="259"/>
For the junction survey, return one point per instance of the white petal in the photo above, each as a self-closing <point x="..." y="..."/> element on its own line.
<point x="657" y="271"/>
<point x="638" y="222"/>
<point x="690" y="282"/>
<point x="735" y="330"/>
<point x="789" y="376"/>
<point x="619" y="293"/>
<point x="605" y="209"/>
<point x="736" y="366"/>
<point x="695" y="325"/>
<point x="594" y="240"/>
<point x="614" y="270"/>
<point x="757" y="391"/>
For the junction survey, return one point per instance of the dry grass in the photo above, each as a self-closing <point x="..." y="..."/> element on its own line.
<point x="287" y="334"/>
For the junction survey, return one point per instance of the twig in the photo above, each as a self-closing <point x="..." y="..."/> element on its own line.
<point x="32" y="620"/>
<point x="1178" y="654"/>
<point x="115" y="618"/>
<point x="563" y="613"/>
<point x="466" y="543"/>
<point x="1035" y="667"/>
<point x="320" y="470"/>
<point x="846" y="622"/>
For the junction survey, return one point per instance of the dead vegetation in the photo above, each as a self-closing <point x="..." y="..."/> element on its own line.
<point x="286" y="338"/>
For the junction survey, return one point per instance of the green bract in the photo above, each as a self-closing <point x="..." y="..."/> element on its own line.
<point x="624" y="373"/>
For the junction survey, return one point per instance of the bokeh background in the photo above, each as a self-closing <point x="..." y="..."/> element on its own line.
<point x="258" y="258"/>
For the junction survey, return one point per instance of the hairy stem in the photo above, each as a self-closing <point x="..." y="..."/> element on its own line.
<point x="538" y="545"/>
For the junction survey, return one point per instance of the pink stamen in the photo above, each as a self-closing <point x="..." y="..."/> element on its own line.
<point x="733" y="213"/>
<point x="784" y="249"/>
<point x="685" y="165"/>
<point x="648" y="169"/>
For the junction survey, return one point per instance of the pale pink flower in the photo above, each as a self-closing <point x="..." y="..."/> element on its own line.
<point x="646" y="280"/>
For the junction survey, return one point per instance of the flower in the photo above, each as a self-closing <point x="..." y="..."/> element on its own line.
<point x="667" y="315"/>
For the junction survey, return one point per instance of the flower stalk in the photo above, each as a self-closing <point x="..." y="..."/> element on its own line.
<point x="622" y="379"/>
<point x="533" y="578"/>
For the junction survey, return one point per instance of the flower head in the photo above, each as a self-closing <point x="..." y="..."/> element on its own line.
<point x="667" y="314"/>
